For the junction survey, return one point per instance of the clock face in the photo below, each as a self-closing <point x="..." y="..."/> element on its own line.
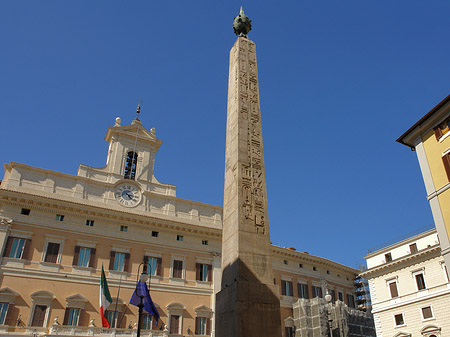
<point x="127" y="195"/>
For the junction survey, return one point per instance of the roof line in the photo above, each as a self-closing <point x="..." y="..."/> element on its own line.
<point x="422" y="120"/>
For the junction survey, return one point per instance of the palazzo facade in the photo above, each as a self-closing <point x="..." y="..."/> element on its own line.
<point x="58" y="230"/>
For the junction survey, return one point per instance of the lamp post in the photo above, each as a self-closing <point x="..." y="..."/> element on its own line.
<point x="330" y="321"/>
<point x="143" y="278"/>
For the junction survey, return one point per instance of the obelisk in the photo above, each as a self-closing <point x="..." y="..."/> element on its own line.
<point x="248" y="304"/>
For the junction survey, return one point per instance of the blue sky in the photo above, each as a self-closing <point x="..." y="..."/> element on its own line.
<point x="339" y="82"/>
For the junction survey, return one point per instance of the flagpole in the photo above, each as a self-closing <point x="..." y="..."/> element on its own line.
<point x="117" y="300"/>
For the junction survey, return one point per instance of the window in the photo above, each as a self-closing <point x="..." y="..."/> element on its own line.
<point x="202" y="326"/>
<point x="174" y="327"/>
<point x="285" y="262"/>
<point x="333" y="296"/>
<point x="90" y="223"/>
<point x="317" y="291"/>
<point x="399" y="320"/>
<point x="130" y="166"/>
<point x="59" y="217"/>
<point x="420" y="281"/>
<point x="111" y="316"/>
<point x="205" y="242"/>
<point x="446" y="161"/>
<point x="148" y="322"/>
<point x="388" y="257"/>
<point x="15" y="249"/>
<point x="303" y="291"/>
<point x="393" y="289"/>
<point x="442" y="129"/>
<point x="289" y="331"/>
<point x="413" y="248"/>
<point x="154" y="265"/>
<point x="340" y="296"/>
<point x="203" y="272"/>
<point x="25" y="211"/>
<point x="328" y="272"/>
<point x="119" y="261"/>
<point x="177" y="269"/>
<point x="39" y="314"/>
<point x="124" y="228"/>
<point x="3" y="312"/>
<point x="179" y="237"/>
<point x="427" y="313"/>
<point x="52" y="252"/>
<point x="155" y="234"/>
<point x="286" y="288"/>
<point x="84" y="257"/>
<point x="314" y="268"/>
<point x="350" y="301"/>
<point x="72" y="316"/>
<point x="300" y="265"/>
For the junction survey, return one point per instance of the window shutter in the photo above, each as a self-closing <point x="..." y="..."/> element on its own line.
<point x="154" y="326"/>
<point x="283" y="287"/>
<point x="66" y="316"/>
<point x="393" y="289"/>
<point x="438" y="132"/>
<point x="208" y="326"/>
<point x="112" y="255"/>
<point x="158" y="266"/>
<point x="446" y="160"/>
<point x="209" y="279"/>
<point x="9" y="314"/>
<point x="126" y="266"/>
<point x="52" y="252"/>
<point x="8" y="246"/>
<point x="76" y="254"/>
<point x="92" y="258"/>
<point x="145" y="259"/>
<point x="197" y="271"/>
<point x="26" y="255"/>
<point x="81" y="317"/>
<point x="291" y="290"/>
<point x="196" y="324"/>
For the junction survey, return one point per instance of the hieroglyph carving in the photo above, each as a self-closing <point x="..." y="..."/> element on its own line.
<point x="252" y="172"/>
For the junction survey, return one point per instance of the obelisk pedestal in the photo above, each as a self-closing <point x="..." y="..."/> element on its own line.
<point x="248" y="304"/>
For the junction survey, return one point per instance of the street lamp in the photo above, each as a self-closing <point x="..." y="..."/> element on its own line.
<point x="143" y="278"/>
<point x="330" y="320"/>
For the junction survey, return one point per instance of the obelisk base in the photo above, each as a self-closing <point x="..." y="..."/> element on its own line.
<point x="247" y="308"/>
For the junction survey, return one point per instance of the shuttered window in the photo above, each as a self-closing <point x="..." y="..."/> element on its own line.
<point x="420" y="281"/>
<point x="286" y="288"/>
<point x="52" y="252"/>
<point x="203" y="272"/>
<point x="393" y="289"/>
<point x="154" y="265"/>
<point x="446" y="160"/>
<point x="174" y="324"/>
<point x="119" y="261"/>
<point x="39" y="315"/>
<point x="303" y="291"/>
<point x="177" y="269"/>
<point x="427" y="313"/>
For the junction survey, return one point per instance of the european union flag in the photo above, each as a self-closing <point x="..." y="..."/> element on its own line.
<point x="149" y="306"/>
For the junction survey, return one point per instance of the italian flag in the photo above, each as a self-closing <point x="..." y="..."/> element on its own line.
<point x="105" y="299"/>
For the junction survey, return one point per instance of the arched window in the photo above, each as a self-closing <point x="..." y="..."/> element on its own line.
<point x="130" y="166"/>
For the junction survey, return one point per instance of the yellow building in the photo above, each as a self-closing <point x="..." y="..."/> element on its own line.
<point x="58" y="230"/>
<point x="430" y="138"/>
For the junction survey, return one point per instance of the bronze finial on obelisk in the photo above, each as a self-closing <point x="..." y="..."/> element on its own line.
<point x="248" y="304"/>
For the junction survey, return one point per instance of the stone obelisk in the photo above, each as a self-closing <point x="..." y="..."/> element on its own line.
<point x="248" y="304"/>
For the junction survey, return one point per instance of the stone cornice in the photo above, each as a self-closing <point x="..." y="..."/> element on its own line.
<point x="312" y="258"/>
<point x="405" y="260"/>
<point x="53" y="205"/>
